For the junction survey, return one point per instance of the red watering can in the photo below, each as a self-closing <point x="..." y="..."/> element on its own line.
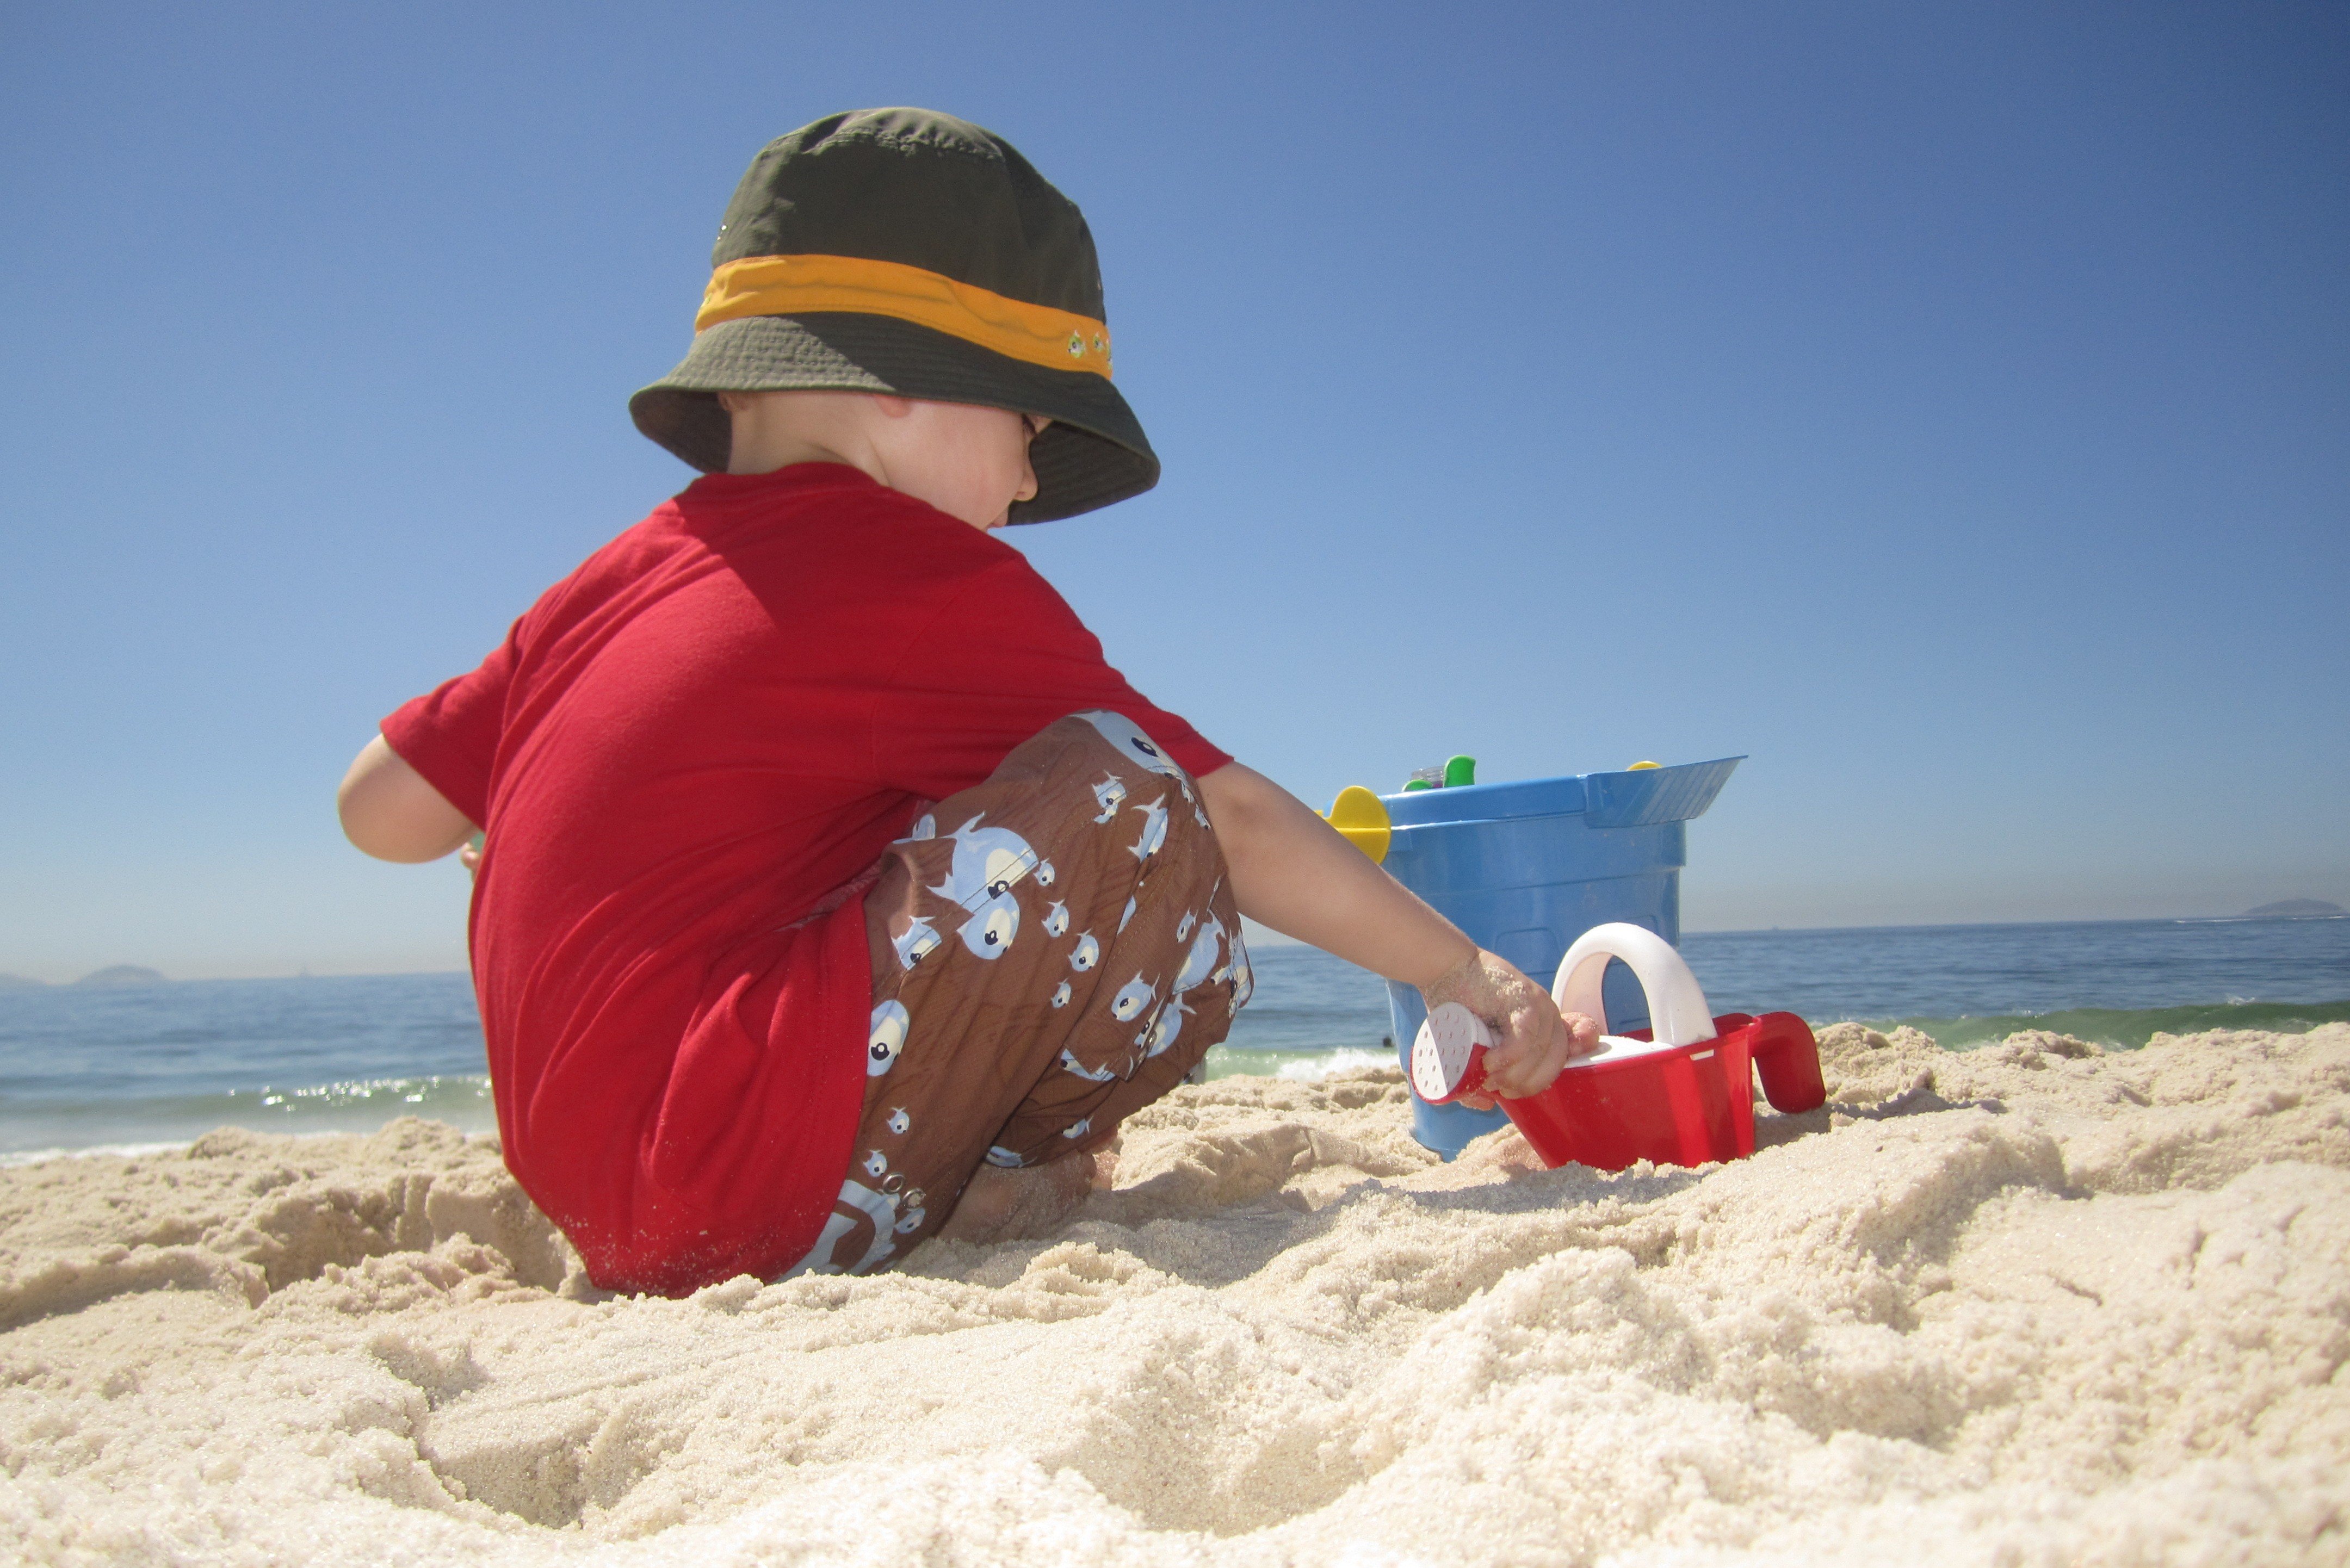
<point x="1680" y="1092"/>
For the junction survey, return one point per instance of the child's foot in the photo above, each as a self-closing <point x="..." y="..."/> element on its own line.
<point x="1001" y="1205"/>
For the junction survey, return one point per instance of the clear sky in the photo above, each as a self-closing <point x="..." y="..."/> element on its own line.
<point x="1945" y="405"/>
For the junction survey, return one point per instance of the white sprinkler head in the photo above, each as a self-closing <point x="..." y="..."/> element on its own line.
<point x="1447" y="1043"/>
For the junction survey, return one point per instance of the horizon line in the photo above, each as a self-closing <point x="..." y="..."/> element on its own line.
<point x="10" y="980"/>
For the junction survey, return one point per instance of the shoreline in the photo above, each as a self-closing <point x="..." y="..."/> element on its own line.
<point x="361" y="1106"/>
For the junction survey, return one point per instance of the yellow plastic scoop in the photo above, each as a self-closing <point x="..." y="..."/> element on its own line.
<point x="1357" y="813"/>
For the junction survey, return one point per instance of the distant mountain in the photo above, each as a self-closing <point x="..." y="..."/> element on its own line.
<point x="18" y="982"/>
<point x="2289" y="908"/>
<point x="124" y="974"/>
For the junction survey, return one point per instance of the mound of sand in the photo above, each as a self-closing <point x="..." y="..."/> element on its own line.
<point x="2034" y="1303"/>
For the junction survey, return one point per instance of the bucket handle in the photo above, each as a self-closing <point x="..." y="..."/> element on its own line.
<point x="1677" y="1011"/>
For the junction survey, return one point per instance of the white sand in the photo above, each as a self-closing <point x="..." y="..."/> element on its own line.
<point x="2029" y="1306"/>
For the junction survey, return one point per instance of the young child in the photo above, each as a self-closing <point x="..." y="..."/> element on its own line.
<point x="835" y="890"/>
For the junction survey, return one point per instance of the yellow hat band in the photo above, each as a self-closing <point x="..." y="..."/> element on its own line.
<point x="800" y="286"/>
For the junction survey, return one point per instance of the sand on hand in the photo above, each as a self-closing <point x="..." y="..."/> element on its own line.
<point x="2034" y="1304"/>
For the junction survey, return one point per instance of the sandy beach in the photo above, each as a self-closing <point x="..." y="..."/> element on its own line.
<point x="2030" y="1303"/>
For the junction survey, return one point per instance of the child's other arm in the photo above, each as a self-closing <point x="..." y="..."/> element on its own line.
<point x="1293" y="871"/>
<point x="389" y="810"/>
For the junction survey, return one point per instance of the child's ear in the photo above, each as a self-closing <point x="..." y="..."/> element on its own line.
<point x="733" y="402"/>
<point x="894" y="406"/>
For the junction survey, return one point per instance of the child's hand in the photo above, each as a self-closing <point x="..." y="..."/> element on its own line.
<point x="1531" y="1040"/>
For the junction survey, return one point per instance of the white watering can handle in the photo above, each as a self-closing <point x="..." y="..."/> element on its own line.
<point x="1678" y="1014"/>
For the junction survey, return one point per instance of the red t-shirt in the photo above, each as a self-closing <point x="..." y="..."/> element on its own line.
<point x="723" y="717"/>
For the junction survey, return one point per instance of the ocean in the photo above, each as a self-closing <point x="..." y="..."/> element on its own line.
<point x="93" y="1067"/>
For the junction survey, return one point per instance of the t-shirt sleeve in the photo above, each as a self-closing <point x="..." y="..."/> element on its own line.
<point x="1003" y="657"/>
<point x="450" y="733"/>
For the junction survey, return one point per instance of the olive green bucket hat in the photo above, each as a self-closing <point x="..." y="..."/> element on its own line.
<point x="900" y="251"/>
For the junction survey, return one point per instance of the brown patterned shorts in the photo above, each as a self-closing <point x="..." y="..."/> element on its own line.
<point x="1053" y="950"/>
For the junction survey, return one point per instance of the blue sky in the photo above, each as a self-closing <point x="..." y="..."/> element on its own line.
<point x="1944" y="404"/>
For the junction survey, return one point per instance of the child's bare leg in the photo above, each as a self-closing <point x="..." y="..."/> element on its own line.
<point x="1001" y="1205"/>
<point x="1005" y="1205"/>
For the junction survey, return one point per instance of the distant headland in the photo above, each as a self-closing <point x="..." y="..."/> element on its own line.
<point x="113" y="977"/>
<point x="2294" y="910"/>
<point x="119" y="975"/>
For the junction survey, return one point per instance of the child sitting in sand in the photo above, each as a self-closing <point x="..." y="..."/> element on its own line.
<point x="835" y="892"/>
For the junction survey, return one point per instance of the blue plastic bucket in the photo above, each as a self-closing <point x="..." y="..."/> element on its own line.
<point x="1527" y="868"/>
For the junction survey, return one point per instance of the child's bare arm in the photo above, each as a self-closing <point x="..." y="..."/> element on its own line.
<point x="391" y="813"/>
<point x="1293" y="871"/>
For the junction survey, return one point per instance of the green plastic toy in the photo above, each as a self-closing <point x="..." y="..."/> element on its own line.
<point x="1455" y="772"/>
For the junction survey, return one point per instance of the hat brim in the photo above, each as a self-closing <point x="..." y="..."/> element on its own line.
<point x="1092" y="454"/>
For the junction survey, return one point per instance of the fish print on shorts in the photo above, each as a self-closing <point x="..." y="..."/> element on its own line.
<point x="1178" y="957"/>
<point x="1199" y="969"/>
<point x="1163" y="1029"/>
<point x="889" y="1037"/>
<point x="988" y="863"/>
<point x="1132" y="997"/>
<point x="1091" y="1074"/>
<point x="1153" y="837"/>
<point x="919" y="941"/>
<point x="1244" y="977"/>
<point x="1130" y="741"/>
<point x="879" y="1206"/>
<point x="1200" y="963"/>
